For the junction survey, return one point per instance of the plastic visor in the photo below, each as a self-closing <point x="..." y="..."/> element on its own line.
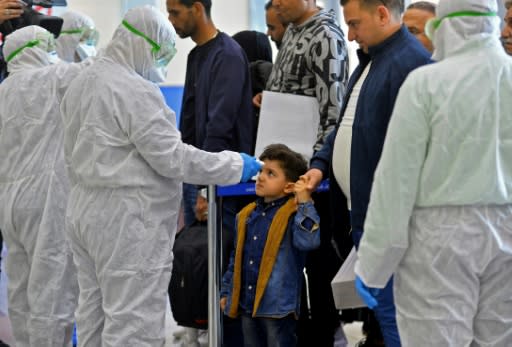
<point x="434" y="23"/>
<point x="44" y="41"/>
<point x="162" y="54"/>
<point x="88" y="35"/>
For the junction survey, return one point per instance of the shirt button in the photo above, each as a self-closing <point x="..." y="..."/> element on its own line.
<point x="263" y="214"/>
<point x="250" y="262"/>
<point x="255" y="238"/>
<point x="250" y="287"/>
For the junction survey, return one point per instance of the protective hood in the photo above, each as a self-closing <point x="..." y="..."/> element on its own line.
<point x="455" y="34"/>
<point x="23" y="53"/>
<point x="68" y="41"/>
<point x="133" y="42"/>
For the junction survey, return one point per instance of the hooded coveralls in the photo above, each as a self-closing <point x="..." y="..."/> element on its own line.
<point x="127" y="164"/>
<point x="34" y="189"/>
<point x="69" y="39"/>
<point x="440" y="213"/>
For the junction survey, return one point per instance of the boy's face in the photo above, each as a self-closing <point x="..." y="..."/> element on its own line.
<point x="272" y="183"/>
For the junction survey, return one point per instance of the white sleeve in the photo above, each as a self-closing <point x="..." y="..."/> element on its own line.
<point x="159" y="143"/>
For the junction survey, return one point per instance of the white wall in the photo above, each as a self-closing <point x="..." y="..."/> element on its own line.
<point x="229" y="16"/>
<point x="106" y="15"/>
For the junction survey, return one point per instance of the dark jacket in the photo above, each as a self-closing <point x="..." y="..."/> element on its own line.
<point x="255" y="45"/>
<point x="217" y="109"/>
<point x="392" y="60"/>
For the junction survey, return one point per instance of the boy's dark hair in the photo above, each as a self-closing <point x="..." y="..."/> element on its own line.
<point x="206" y="3"/>
<point x="293" y="164"/>
<point x="268" y="5"/>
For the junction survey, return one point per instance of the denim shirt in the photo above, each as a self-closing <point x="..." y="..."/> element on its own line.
<point x="282" y="294"/>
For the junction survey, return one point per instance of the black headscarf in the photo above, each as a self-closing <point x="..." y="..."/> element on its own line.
<point x="255" y="45"/>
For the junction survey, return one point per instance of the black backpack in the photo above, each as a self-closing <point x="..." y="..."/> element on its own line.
<point x="188" y="289"/>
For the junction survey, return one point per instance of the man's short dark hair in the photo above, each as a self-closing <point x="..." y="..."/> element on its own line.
<point x="206" y="3"/>
<point x="508" y="4"/>
<point x="293" y="164"/>
<point x="424" y="6"/>
<point x="396" y="7"/>
<point x="268" y="5"/>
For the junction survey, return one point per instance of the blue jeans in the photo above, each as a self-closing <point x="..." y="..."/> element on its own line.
<point x="385" y="312"/>
<point x="269" y="332"/>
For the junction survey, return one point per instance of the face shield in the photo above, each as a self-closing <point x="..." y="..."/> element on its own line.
<point x="162" y="54"/>
<point x="88" y="40"/>
<point x="44" y="41"/>
<point x="433" y="23"/>
<point x="165" y="54"/>
<point x="88" y="35"/>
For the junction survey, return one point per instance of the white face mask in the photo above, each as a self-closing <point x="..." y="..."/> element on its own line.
<point x="157" y="74"/>
<point x="53" y="58"/>
<point x="85" y="51"/>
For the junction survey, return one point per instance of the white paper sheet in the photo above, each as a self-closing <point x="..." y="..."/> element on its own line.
<point x="289" y="119"/>
<point x="343" y="284"/>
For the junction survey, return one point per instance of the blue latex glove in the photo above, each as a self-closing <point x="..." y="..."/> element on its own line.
<point x="251" y="167"/>
<point x="367" y="294"/>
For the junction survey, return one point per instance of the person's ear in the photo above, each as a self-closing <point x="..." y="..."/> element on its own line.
<point x="289" y="188"/>
<point x="197" y="8"/>
<point x="383" y="14"/>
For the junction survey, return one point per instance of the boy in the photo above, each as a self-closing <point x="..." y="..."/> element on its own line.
<point x="264" y="278"/>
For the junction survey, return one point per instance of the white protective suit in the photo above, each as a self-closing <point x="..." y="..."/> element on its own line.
<point x="34" y="188"/>
<point x="128" y="162"/>
<point x="440" y="213"/>
<point x="72" y="30"/>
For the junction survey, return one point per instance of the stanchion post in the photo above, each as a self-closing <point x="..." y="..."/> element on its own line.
<point x="214" y="313"/>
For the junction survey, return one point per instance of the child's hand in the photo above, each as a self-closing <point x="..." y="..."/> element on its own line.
<point x="302" y="191"/>
<point x="223" y="302"/>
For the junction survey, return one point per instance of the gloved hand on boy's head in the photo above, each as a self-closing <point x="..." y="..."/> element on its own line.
<point x="251" y="167"/>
